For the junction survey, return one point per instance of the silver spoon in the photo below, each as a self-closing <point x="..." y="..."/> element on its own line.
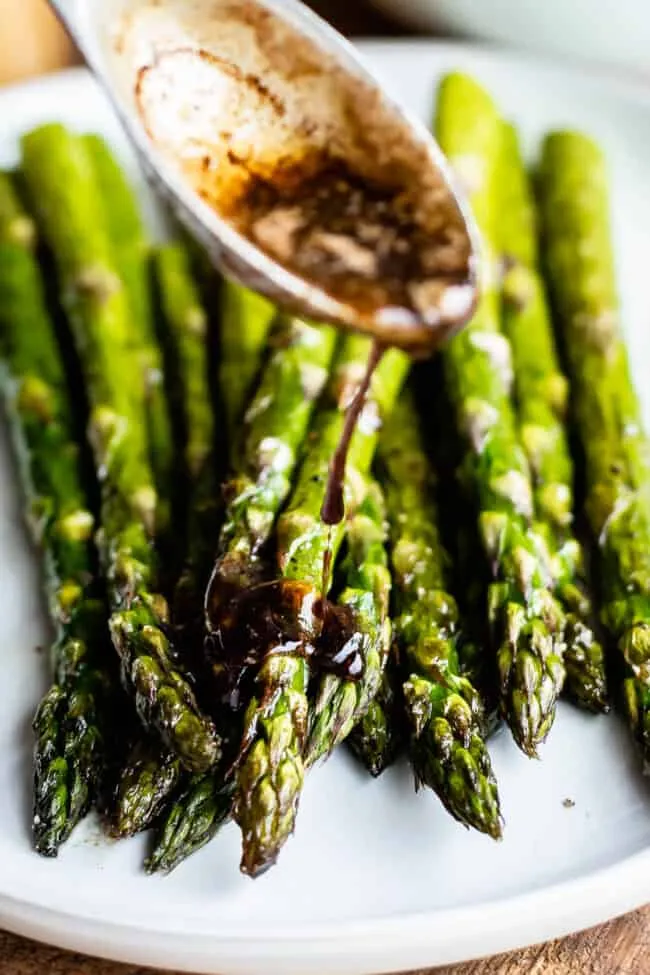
<point x="280" y="153"/>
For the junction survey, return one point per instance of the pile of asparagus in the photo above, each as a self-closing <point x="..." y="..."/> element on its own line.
<point x="174" y="433"/>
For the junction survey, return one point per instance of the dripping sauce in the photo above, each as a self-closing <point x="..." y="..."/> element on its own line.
<point x="281" y="617"/>
<point x="333" y="509"/>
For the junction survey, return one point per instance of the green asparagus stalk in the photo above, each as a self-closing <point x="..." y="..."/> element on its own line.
<point x="379" y="736"/>
<point x="526" y="620"/>
<point x="151" y="776"/>
<point x="542" y="392"/>
<point x="192" y="820"/>
<point x="186" y="325"/>
<point x="275" y="427"/>
<point x="185" y="335"/>
<point x="271" y="773"/>
<point x="202" y="807"/>
<point x="578" y="255"/>
<point x="145" y="784"/>
<point x="131" y="252"/>
<point x="444" y="710"/>
<point x="246" y="321"/>
<point x="60" y="181"/>
<point x="125" y="229"/>
<point x="470" y="582"/>
<point x="205" y="517"/>
<point x="340" y="704"/>
<point x="68" y="752"/>
<point x="469" y="572"/>
<point x="17" y="226"/>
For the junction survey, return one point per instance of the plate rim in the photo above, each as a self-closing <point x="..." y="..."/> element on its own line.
<point x="381" y="944"/>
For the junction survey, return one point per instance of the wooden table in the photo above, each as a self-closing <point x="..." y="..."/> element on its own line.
<point x="619" y="948"/>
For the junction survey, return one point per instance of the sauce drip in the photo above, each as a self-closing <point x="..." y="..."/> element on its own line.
<point x="333" y="509"/>
<point x="339" y="649"/>
<point x="327" y="566"/>
<point x="281" y="617"/>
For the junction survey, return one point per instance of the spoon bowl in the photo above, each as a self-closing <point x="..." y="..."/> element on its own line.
<point x="279" y="152"/>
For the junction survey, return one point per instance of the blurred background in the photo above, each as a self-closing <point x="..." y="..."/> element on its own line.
<point x="603" y="32"/>
<point x="31" y="42"/>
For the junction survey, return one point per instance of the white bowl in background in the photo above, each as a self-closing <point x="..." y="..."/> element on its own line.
<point x="615" y="31"/>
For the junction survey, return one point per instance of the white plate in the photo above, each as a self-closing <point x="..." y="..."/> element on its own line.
<point x="376" y="879"/>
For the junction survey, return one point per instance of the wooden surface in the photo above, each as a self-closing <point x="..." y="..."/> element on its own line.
<point x="31" y="40"/>
<point x="619" y="948"/>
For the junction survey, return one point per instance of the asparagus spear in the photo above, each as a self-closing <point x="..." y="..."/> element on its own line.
<point x="542" y="393"/>
<point x="131" y="251"/>
<point x="185" y="327"/>
<point x="339" y="703"/>
<point x="60" y="181"/>
<point x="470" y="582"/>
<point x="17" y="226"/>
<point x="444" y="710"/>
<point x="469" y="572"/>
<point x="68" y="751"/>
<point x="203" y="805"/>
<point x="526" y="620"/>
<point x="379" y="736"/>
<point x="578" y="254"/>
<point x="275" y="427"/>
<point x="193" y="819"/>
<point x="271" y="772"/>
<point x="185" y="323"/>
<point x="246" y="320"/>
<point x="125" y="230"/>
<point x="148" y="783"/>
<point x="149" y="777"/>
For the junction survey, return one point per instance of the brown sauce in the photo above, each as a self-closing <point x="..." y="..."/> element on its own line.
<point x="282" y="617"/>
<point x="305" y="159"/>
<point x="339" y="649"/>
<point x="333" y="509"/>
<point x="360" y="241"/>
<point x="326" y="575"/>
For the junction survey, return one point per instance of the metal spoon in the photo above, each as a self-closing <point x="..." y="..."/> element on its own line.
<point x="279" y="152"/>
